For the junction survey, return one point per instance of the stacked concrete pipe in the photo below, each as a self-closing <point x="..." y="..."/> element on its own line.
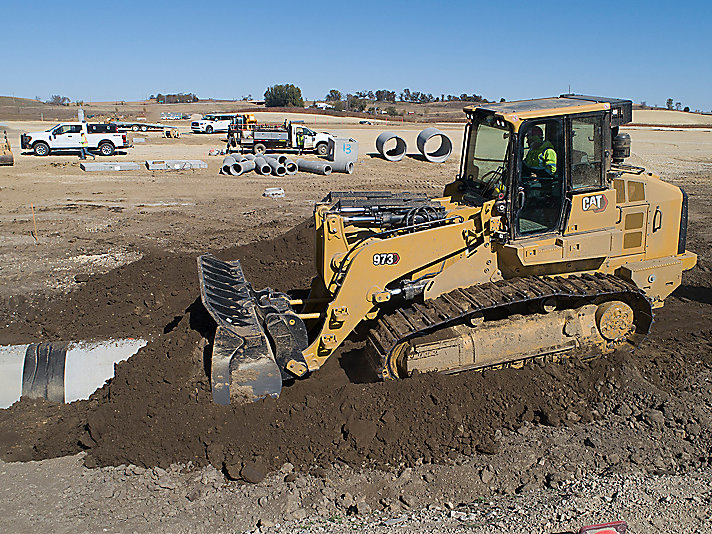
<point x="279" y="157"/>
<point x="291" y="167"/>
<point x="394" y="154"/>
<point x="439" y="155"/>
<point x="261" y="166"/>
<point x="317" y="167"/>
<point x="227" y="164"/>
<point x="241" y="167"/>
<point x="277" y="168"/>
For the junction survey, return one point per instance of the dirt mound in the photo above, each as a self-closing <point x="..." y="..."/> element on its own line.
<point x="139" y="299"/>
<point x="158" y="408"/>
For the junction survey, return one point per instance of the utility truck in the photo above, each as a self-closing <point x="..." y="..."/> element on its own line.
<point x="260" y="137"/>
<point x="105" y="138"/>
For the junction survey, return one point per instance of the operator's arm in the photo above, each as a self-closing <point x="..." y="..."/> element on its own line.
<point x="548" y="160"/>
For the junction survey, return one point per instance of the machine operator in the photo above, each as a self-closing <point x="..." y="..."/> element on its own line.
<point x="541" y="158"/>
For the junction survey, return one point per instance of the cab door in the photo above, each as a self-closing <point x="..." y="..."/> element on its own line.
<point x="540" y="179"/>
<point x="67" y="136"/>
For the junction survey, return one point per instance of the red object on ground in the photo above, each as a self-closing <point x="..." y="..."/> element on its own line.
<point x="617" y="527"/>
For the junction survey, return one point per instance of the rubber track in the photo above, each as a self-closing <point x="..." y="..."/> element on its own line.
<point x="422" y="318"/>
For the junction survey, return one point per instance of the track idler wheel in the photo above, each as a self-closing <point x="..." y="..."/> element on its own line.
<point x="614" y="320"/>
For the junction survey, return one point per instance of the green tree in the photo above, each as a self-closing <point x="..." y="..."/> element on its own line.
<point x="391" y="110"/>
<point x="669" y="103"/>
<point x="286" y="95"/>
<point x="333" y="96"/>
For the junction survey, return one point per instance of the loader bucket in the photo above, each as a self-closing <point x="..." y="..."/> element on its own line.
<point x="257" y="333"/>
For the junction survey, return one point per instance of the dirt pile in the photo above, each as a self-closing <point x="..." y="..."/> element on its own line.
<point x="140" y="298"/>
<point x="158" y="408"/>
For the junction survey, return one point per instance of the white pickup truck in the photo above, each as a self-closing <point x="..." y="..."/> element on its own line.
<point x="68" y="136"/>
<point x="213" y="122"/>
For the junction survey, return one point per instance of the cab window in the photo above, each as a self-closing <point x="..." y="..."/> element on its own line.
<point x="586" y="152"/>
<point x="68" y="128"/>
<point x="540" y="191"/>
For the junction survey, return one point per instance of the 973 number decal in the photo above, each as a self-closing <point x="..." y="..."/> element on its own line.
<point x="386" y="258"/>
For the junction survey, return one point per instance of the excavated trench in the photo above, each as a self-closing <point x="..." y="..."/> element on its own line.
<point x="157" y="410"/>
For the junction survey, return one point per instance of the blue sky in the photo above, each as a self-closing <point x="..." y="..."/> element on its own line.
<point x="121" y="49"/>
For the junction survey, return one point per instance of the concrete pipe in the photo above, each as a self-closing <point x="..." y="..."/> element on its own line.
<point x="251" y="157"/>
<point x="227" y="164"/>
<point x="393" y="154"/>
<point x="317" y="167"/>
<point x="342" y="166"/>
<point x="291" y="167"/>
<point x="277" y="168"/>
<point x="440" y="154"/>
<point x="261" y="165"/>
<point x="279" y="157"/>
<point x="60" y="372"/>
<point x="244" y="166"/>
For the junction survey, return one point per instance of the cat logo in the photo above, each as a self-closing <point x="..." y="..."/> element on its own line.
<point x="594" y="203"/>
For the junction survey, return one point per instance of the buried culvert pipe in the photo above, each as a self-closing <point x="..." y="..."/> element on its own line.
<point x="393" y="154"/>
<point x="440" y="154"/>
<point x="318" y="167"/>
<point x="291" y="167"/>
<point x="261" y="165"/>
<point x="60" y="372"/>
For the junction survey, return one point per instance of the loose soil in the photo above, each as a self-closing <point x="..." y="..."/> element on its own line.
<point x="646" y="411"/>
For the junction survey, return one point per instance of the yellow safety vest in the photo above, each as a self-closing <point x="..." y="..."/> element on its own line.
<point x="542" y="158"/>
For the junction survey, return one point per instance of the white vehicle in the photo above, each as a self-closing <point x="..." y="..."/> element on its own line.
<point x="260" y="138"/>
<point x="213" y="122"/>
<point x="105" y="138"/>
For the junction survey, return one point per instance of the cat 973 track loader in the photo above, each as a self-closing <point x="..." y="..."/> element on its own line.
<point x="564" y="250"/>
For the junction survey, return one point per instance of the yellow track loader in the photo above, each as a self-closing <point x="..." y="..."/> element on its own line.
<point x="546" y="243"/>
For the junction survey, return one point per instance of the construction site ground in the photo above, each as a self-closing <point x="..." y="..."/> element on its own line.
<point x="548" y="447"/>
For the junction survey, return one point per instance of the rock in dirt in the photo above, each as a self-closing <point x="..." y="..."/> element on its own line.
<point x="253" y="472"/>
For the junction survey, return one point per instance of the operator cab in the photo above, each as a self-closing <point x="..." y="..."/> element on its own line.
<point x="531" y="156"/>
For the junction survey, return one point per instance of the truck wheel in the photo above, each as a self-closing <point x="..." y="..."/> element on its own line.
<point x="322" y="149"/>
<point x="209" y="129"/>
<point x="106" y="149"/>
<point x="135" y="127"/>
<point x="259" y="148"/>
<point x="144" y="128"/>
<point x="41" y="149"/>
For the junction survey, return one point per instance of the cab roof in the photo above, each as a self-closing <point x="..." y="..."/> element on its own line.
<point x="566" y="104"/>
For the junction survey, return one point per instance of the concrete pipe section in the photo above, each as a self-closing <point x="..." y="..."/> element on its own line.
<point x="342" y="166"/>
<point x="440" y="154"/>
<point x="277" y="168"/>
<point x="227" y="164"/>
<point x="243" y="166"/>
<point x="279" y="157"/>
<point x="261" y="165"/>
<point x="317" y="167"/>
<point x="60" y="372"/>
<point x="291" y="167"/>
<point x="391" y="154"/>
